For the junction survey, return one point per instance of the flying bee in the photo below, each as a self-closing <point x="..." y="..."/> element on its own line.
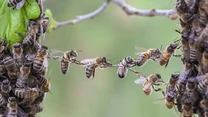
<point x="23" y="77"/>
<point x="18" y="3"/>
<point x="153" y="54"/>
<point x="169" y="51"/>
<point x="67" y="59"/>
<point x="125" y="64"/>
<point x="10" y="66"/>
<point x="92" y="64"/>
<point x="5" y="86"/>
<point x="150" y="82"/>
<point x="12" y="107"/>
<point x="18" y="54"/>
<point x="40" y="59"/>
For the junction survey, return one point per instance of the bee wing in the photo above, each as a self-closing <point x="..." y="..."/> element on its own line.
<point x="20" y="4"/>
<point x="139" y="50"/>
<point x="158" y="101"/>
<point x="86" y="62"/>
<point x="21" y="113"/>
<point x="141" y="80"/>
<point x="45" y="62"/>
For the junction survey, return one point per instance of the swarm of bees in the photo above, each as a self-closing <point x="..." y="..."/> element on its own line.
<point x="23" y="82"/>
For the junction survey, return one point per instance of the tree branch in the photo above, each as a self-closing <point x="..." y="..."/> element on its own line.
<point x="130" y="10"/>
<point x="83" y="17"/>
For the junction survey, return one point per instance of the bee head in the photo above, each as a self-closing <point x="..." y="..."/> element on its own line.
<point x="43" y="50"/>
<point x="17" y="45"/>
<point x="175" y="76"/>
<point x="158" y="75"/>
<point x="73" y="53"/>
<point x="129" y="59"/>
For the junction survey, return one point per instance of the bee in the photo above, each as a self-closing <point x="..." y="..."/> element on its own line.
<point x="187" y="110"/>
<point x="18" y="54"/>
<point x="11" y="67"/>
<point x="193" y="51"/>
<point x="33" y="109"/>
<point x="44" y="23"/>
<point x="150" y="82"/>
<point x="2" y="49"/>
<point x="41" y="59"/>
<point x="170" y="98"/>
<point x="67" y="59"/>
<point x="204" y="106"/>
<point x="2" y="100"/>
<point x="2" y="70"/>
<point x="169" y="51"/>
<point x="153" y="54"/>
<point x="202" y="10"/>
<point x="31" y="37"/>
<point x="92" y="64"/>
<point x="32" y="80"/>
<point x="23" y="77"/>
<point x="202" y="85"/>
<point x="5" y="86"/>
<point x="204" y="62"/>
<point x="12" y="107"/>
<point x="45" y="84"/>
<point x="172" y="81"/>
<point x="202" y="41"/>
<point x="18" y="3"/>
<point x="28" y="95"/>
<point x="29" y="58"/>
<point x="125" y="65"/>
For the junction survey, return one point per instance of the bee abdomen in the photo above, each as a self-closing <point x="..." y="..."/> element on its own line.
<point x="201" y="87"/>
<point x="193" y="54"/>
<point x="42" y="80"/>
<point x="19" y="92"/>
<point x="142" y="59"/>
<point x="28" y="40"/>
<point x="122" y="71"/>
<point x="89" y="71"/>
<point x="64" y="66"/>
<point x="12" y="3"/>
<point x="37" y="65"/>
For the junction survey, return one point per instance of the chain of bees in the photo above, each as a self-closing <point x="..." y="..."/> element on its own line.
<point x="23" y="69"/>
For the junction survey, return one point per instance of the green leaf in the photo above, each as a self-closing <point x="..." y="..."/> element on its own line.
<point x="53" y="22"/>
<point x="13" y="21"/>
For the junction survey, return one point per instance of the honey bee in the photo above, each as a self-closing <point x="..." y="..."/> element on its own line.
<point x="170" y="98"/>
<point x="44" y="24"/>
<point x="2" y="49"/>
<point x="45" y="84"/>
<point x="173" y="81"/>
<point x="12" y="107"/>
<point x="204" y="62"/>
<point x="202" y="41"/>
<point x="2" y="100"/>
<point x="125" y="65"/>
<point x="33" y="109"/>
<point x="23" y="77"/>
<point x="31" y="37"/>
<point x="169" y="51"/>
<point x="28" y="95"/>
<point x="187" y="110"/>
<point x="18" y="3"/>
<point x="202" y="10"/>
<point x="153" y="54"/>
<point x="11" y="67"/>
<point x="202" y="85"/>
<point x="204" y="106"/>
<point x="92" y="64"/>
<point x="5" y="86"/>
<point x="29" y="58"/>
<point x="67" y="59"/>
<point x="150" y="82"/>
<point x="18" y="54"/>
<point x="40" y="60"/>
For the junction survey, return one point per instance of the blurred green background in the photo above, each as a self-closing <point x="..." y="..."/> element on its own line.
<point x="114" y="34"/>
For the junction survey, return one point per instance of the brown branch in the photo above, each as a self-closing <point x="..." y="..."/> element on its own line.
<point x="83" y="17"/>
<point x="130" y="10"/>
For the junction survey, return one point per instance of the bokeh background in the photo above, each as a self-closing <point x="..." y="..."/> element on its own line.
<point x="114" y="34"/>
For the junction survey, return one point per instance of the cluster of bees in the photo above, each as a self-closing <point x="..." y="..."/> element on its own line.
<point x="23" y="82"/>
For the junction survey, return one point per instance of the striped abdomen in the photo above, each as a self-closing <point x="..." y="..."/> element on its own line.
<point x="2" y="100"/>
<point x="41" y="79"/>
<point x="122" y="71"/>
<point x="64" y="65"/>
<point x="90" y="70"/>
<point x="9" y="64"/>
<point x="164" y="58"/>
<point x="28" y="40"/>
<point x="193" y="54"/>
<point x="38" y="64"/>
<point x="19" y="92"/>
<point x="21" y="82"/>
<point x="12" y="3"/>
<point x="202" y="86"/>
<point x="143" y="59"/>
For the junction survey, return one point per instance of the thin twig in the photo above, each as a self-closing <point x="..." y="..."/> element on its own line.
<point x="83" y="17"/>
<point x="130" y="10"/>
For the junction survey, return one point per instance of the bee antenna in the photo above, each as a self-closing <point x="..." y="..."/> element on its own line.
<point x="50" y="92"/>
<point x="49" y="78"/>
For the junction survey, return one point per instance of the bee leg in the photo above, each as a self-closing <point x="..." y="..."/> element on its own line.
<point x="158" y="89"/>
<point x="133" y="71"/>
